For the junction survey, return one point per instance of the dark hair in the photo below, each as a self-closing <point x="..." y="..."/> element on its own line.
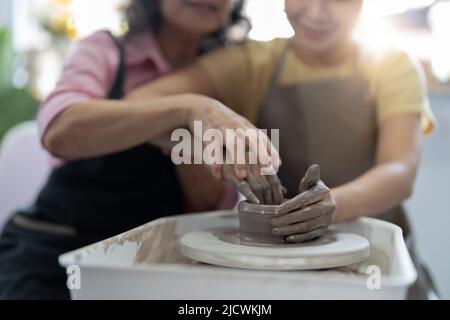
<point x="143" y="15"/>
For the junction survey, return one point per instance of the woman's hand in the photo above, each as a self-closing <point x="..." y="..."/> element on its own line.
<point x="257" y="182"/>
<point x="190" y="90"/>
<point x="308" y="215"/>
<point x="256" y="188"/>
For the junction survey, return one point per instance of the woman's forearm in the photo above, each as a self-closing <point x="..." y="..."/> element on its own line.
<point x="96" y="128"/>
<point x="383" y="187"/>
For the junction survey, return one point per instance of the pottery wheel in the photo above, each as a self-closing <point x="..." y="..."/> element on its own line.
<point x="223" y="247"/>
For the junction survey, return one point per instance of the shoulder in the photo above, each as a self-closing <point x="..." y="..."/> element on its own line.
<point x="389" y="61"/>
<point x="98" y="47"/>
<point x="392" y="68"/>
<point x="249" y="51"/>
<point x="96" y="55"/>
<point x="264" y="47"/>
<point x="265" y="54"/>
<point x="262" y="54"/>
<point x="399" y="85"/>
<point x="97" y="40"/>
<point x="398" y="61"/>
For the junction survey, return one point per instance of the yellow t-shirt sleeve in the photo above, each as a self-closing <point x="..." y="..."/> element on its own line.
<point x="402" y="89"/>
<point x="229" y="71"/>
<point x="241" y="74"/>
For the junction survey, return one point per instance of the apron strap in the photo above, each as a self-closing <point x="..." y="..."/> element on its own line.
<point x="42" y="226"/>
<point x="117" y="90"/>
<point x="277" y="70"/>
<point x="356" y="52"/>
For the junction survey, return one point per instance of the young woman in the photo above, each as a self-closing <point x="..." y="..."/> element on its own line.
<point x="108" y="178"/>
<point x="358" y="114"/>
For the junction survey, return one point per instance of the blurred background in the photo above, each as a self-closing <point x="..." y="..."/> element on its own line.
<point x="36" y="35"/>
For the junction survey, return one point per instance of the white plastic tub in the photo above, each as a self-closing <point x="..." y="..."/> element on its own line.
<point x="146" y="263"/>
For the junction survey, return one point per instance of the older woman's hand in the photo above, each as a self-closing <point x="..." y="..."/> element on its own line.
<point x="257" y="182"/>
<point x="308" y="215"/>
<point x="214" y="115"/>
<point x="257" y="188"/>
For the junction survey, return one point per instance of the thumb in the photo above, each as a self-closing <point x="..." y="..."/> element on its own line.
<point x="311" y="178"/>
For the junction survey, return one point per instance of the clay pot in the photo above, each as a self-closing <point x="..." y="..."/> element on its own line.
<point x="255" y="223"/>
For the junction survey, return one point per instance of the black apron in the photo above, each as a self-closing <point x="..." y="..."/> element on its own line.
<point x="84" y="202"/>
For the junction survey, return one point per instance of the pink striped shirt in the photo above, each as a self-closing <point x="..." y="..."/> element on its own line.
<point x="90" y="72"/>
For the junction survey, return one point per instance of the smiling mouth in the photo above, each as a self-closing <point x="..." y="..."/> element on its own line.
<point x="315" y="34"/>
<point x="202" y="5"/>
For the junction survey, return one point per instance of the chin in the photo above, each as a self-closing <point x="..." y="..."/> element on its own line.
<point x="317" y="47"/>
<point x="202" y="29"/>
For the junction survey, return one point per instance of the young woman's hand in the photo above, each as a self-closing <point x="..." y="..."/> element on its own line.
<point x="308" y="215"/>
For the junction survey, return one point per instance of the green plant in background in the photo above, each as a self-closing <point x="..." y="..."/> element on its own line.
<point x="6" y="58"/>
<point x="16" y="105"/>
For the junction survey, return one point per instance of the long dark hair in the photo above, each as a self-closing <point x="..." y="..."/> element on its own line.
<point x="144" y="15"/>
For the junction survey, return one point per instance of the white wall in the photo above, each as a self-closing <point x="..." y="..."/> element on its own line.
<point x="430" y="207"/>
<point x="5" y="13"/>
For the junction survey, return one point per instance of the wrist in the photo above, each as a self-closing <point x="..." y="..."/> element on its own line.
<point x="339" y="212"/>
<point x="194" y="107"/>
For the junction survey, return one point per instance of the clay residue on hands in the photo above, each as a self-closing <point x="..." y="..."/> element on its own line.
<point x="303" y="218"/>
<point x="257" y="188"/>
<point x="311" y="178"/>
<point x="308" y="215"/>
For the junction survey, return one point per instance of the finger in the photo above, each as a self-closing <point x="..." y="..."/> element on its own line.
<point x="255" y="185"/>
<point x="273" y="157"/>
<point x="269" y="162"/>
<point x="264" y="183"/>
<point x="262" y="151"/>
<point x="276" y="161"/>
<point x="303" y="227"/>
<point x="244" y="188"/>
<point x="315" y="194"/>
<point x="303" y="215"/>
<point x="268" y="197"/>
<point x="311" y="178"/>
<point x="217" y="171"/>
<point x="228" y="173"/>
<point x="241" y="185"/>
<point x="277" y="189"/>
<point x="299" y="238"/>
<point x="290" y="205"/>
<point x="267" y="191"/>
<point x="240" y="169"/>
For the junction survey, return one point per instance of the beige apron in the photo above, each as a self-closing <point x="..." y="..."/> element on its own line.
<point x="331" y="123"/>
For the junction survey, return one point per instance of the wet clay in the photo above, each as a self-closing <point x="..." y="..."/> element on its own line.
<point x="255" y="223"/>
<point x="311" y="178"/>
<point x="255" y="220"/>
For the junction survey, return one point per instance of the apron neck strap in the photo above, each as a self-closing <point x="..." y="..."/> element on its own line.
<point x="355" y="56"/>
<point x="117" y="90"/>
<point x="279" y="65"/>
<point x="275" y="76"/>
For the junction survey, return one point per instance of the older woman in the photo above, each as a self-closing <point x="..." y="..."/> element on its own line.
<point x="107" y="177"/>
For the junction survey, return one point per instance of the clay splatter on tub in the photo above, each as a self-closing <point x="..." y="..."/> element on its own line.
<point x="155" y="242"/>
